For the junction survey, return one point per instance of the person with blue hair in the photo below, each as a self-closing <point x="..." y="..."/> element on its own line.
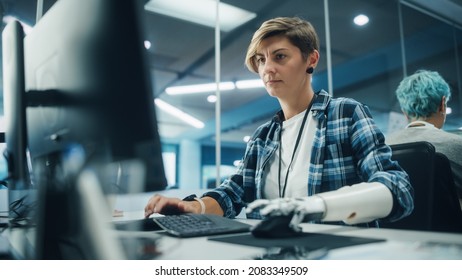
<point x="423" y="97"/>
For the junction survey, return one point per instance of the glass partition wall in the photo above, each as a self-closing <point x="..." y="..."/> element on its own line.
<point x="367" y="47"/>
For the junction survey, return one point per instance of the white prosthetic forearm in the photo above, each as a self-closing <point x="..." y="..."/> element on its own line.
<point x="360" y="203"/>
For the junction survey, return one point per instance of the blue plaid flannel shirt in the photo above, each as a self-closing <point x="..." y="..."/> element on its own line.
<point x="348" y="149"/>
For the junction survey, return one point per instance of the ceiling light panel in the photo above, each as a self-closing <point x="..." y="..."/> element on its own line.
<point x="201" y="12"/>
<point x="199" y="88"/>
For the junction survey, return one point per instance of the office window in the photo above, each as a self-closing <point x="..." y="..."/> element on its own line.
<point x="366" y="59"/>
<point x="432" y="44"/>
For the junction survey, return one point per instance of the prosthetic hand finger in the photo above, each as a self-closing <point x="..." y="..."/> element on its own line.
<point x="257" y="204"/>
<point x="280" y="207"/>
<point x="271" y="210"/>
<point x="297" y="218"/>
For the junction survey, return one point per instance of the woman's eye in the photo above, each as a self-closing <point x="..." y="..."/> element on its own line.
<point x="280" y="56"/>
<point x="260" y="60"/>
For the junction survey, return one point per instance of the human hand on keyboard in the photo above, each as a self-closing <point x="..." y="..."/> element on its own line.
<point x="169" y="206"/>
<point x="300" y="209"/>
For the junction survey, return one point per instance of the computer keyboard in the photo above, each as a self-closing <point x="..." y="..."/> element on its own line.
<point x="191" y="225"/>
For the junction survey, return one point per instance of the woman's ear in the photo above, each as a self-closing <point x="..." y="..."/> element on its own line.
<point x="313" y="59"/>
<point x="442" y="106"/>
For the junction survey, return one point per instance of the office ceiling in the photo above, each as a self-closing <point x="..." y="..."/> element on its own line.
<point x="182" y="53"/>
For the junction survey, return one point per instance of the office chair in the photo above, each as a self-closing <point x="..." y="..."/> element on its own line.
<point x="436" y="205"/>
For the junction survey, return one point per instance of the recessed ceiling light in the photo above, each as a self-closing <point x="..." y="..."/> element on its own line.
<point x="201" y="12"/>
<point x="212" y="98"/>
<point x="448" y="110"/>
<point x="361" y="20"/>
<point x="147" y="44"/>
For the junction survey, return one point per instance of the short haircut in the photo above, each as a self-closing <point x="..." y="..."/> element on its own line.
<point x="420" y="94"/>
<point x="299" y="32"/>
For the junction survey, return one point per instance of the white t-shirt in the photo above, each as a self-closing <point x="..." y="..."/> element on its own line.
<point x="297" y="183"/>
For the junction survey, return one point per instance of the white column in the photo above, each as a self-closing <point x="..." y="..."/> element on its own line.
<point x="189" y="165"/>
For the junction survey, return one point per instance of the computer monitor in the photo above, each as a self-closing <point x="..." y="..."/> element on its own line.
<point x="88" y="106"/>
<point x="20" y="195"/>
<point x="14" y="104"/>
<point x="87" y="84"/>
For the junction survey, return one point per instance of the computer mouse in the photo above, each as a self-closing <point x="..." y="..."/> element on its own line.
<point x="274" y="227"/>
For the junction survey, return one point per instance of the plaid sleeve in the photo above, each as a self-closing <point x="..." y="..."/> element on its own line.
<point x="375" y="163"/>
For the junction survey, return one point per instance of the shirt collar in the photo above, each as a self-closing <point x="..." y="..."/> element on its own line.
<point x="420" y="124"/>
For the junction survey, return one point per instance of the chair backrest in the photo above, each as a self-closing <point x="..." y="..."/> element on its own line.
<point x="436" y="206"/>
<point x="447" y="214"/>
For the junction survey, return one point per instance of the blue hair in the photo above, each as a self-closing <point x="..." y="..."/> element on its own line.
<point x="420" y="94"/>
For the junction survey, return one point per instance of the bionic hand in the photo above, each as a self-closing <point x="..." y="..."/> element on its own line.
<point x="354" y="204"/>
<point x="307" y="208"/>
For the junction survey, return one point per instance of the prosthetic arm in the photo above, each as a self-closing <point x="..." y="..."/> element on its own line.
<point x="359" y="203"/>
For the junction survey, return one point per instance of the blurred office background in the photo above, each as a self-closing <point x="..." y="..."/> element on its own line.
<point x="367" y="47"/>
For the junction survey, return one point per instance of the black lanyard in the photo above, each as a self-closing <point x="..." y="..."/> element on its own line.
<point x="282" y="192"/>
